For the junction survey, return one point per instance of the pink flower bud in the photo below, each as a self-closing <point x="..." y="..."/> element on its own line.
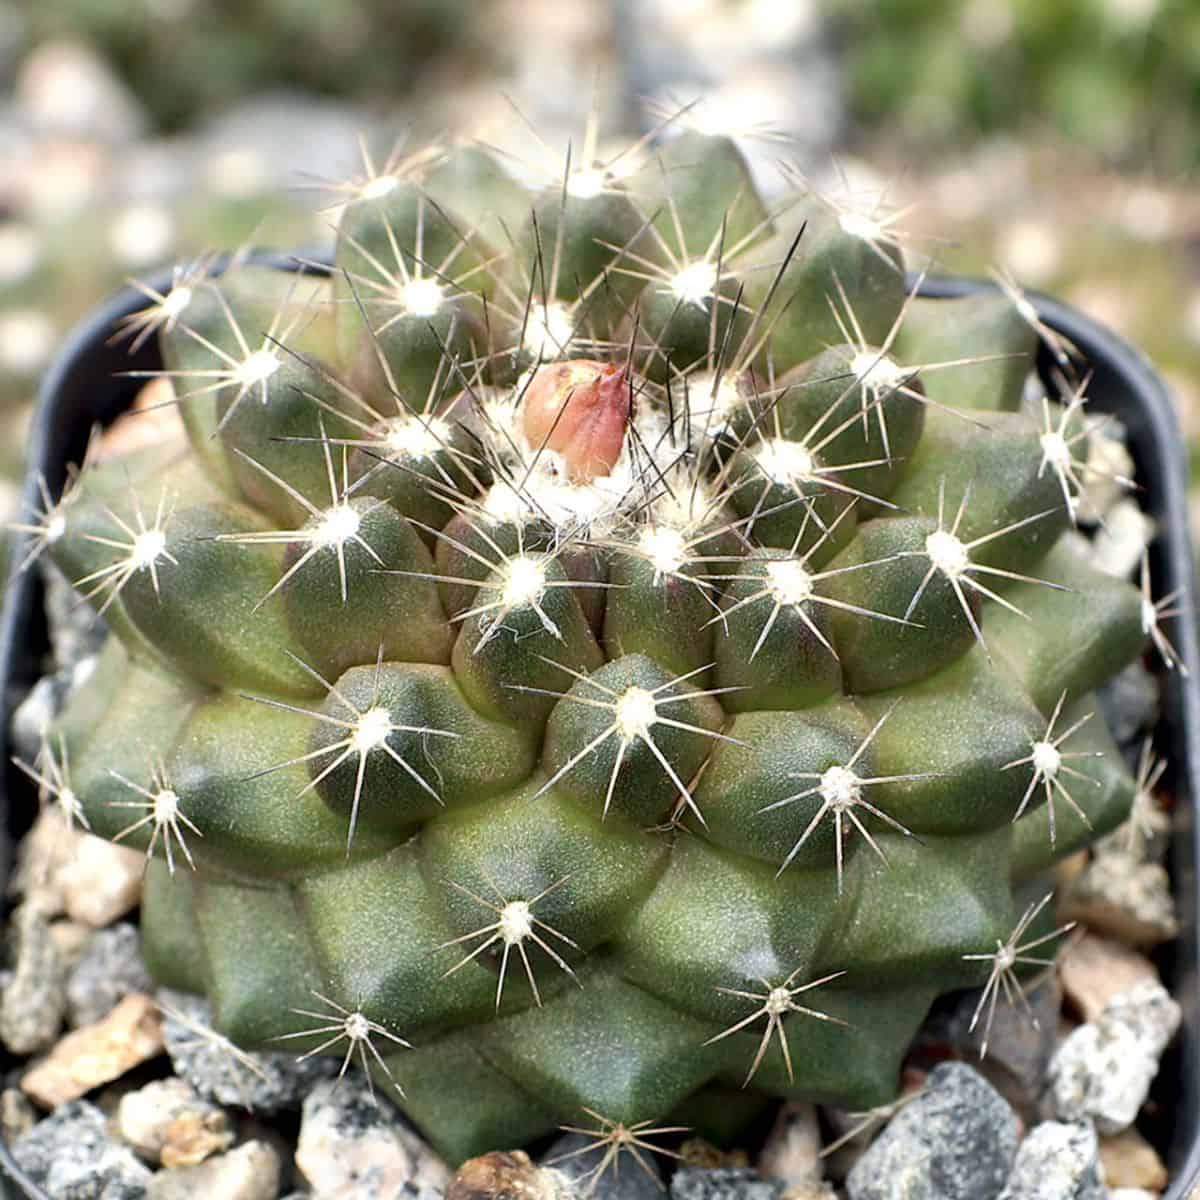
<point x="580" y="409"/>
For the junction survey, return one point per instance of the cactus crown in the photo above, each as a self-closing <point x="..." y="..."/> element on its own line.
<point x="609" y="643"/>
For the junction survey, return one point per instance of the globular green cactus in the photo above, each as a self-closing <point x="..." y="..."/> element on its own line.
<point x="608" y="644"/>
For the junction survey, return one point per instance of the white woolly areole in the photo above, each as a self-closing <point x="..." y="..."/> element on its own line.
<point x="840" y="787"/>
<point x="685" y="506"/>
<point x="336" y="526"/>
<point x="357" y="1027"/>
<point x="176" y="301"/>
<point x="147" y="547"/>
<point x="664" y="547"/>
<point x="55" y="527"/>
<point x="516" y="922"/>
<point x="779" y="1001"/>
<point x="422" y="297"/>
<point x="166" y="806"/>
<point x="1046" y="759"/>
<point x="859" y="225"/>
<point x="548" y="330"/>
<point x="947" y="553"/>
<point x="712" y="404"/>
<point x="585" y="183"/>
<point x="694" y="283"/>
<point x="635" y="713"/>
<point x="784" y="461"/>
<point x="371" y="729"/>
<point x="876" y="370"/>
<point x="415" y="437"/>
<point x="524" y="581"/>
<point x="381" y="185"/>
<point x="789" y="582"/>
<point x="257" y="368"/>
<point x="1055" y="449"/>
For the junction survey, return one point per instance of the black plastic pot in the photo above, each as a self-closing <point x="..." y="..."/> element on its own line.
<point x="86" y="384"/>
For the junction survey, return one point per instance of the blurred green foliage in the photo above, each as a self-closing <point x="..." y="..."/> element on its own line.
<point x="1122" y="77"/>
<point x="183" y="57"/>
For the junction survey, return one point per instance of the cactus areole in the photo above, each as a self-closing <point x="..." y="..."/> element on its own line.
<point x="608" y="647"/>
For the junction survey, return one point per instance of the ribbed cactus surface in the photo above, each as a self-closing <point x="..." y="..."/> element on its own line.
<point x="607" y="644"/>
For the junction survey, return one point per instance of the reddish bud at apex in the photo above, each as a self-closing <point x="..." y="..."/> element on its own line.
<point x="579" y="409"/>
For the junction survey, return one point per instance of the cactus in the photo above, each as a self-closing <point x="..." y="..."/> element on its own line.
<point x="609" y="648"/>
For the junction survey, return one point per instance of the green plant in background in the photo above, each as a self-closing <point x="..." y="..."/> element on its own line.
<point x="1118" y="76"/>
<point x="607" y="646"/>
<point x="360" y="48"/>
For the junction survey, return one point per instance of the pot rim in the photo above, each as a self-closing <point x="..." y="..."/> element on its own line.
<point x="1123" y="382"/>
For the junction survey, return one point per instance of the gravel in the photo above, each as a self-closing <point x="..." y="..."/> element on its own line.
<point x="955" y="1141"/>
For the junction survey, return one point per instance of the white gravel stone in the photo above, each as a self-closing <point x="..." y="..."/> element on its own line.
<point x="166" y="1122"/>
<point x="101" y="882"/>
<point x="1057" y="1162"/>
<point x="1122" y="539"/>
<point x="1125" y="897"/>
<point x="1103" y="1070"/>
<point x="250" y="1171"/>
<point x="33" y="1000"/>
<point x="352" y="1145"/>
<point x="792" y="1150"/>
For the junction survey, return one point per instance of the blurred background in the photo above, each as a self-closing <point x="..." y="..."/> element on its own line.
<point x="1057" y="139"/>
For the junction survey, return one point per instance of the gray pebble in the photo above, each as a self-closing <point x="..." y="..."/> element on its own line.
<point x="33" y="1000"/>
<point x="17" y="1115"/>
<point x="263" y="1082"/>
<point x="955" y="1141"/>
<point x="1019" y="1045"/>
<point x="109" y="969"/>
<point x="1057" y="1162"/>
<point x="71" y="1155"/>
<point x="35" y="714"/>
<point x="724" y="1183"/>
<point x="1103" y="1070"/>
<point x="632" y="1183"/>
<point x="1129" y="703"/>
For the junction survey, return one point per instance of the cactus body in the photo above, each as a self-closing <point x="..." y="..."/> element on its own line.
<point x="576" y="656"/>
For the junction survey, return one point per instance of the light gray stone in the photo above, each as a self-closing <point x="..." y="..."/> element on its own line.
<point x="1020" y="1041"/>
<point x="262" y="1082"/>
<point x="955" y="1141"/>
<point x="33" y="1000"/>
<point x="72" y="1157"/>
<point x="354" y="1143"/>
<point x="1129" y="703"/>
<point x="110" y="968"/>
<point x="250" y="1171"/>
<point x="1057" y="1162"/>
<point x="792" y="1150"/>
<point x="1103" y="1070"/>
<point x="724" y="1183"/>
<point x="1125" y="897"/>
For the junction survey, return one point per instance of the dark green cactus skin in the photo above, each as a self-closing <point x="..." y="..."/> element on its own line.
<point x="382" y="741"/>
